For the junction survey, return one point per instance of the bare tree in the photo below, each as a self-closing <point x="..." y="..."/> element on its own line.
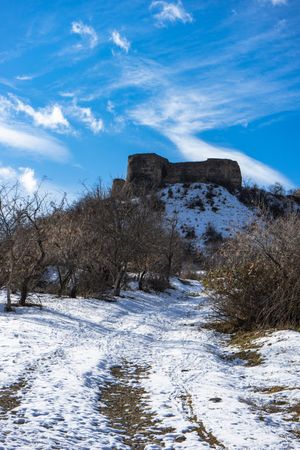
<point x="21" y="237"/>
<point x="64" y="246"/>
<point x="124" y="233"/>
<point x="172" y="247"/>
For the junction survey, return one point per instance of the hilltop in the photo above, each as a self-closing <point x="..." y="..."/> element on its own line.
<point x="206" y="198"/>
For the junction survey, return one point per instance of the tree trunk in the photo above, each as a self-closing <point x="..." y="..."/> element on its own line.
<point x="118" y="282"/>
<point x="8" y="306"/>
<point x="24" y="293"/>
<point x="63" y="281"/>
<point x="141" y="279"/>
<point x="60" y="281"/>
<point x="73" y="291"/>
<point x="169" y="266"/>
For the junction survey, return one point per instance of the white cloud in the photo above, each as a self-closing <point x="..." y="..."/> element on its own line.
<point x="86" y="32"/>
<point x="120" y="41"/>
<point x="29" y="141"/>
<point x="25" y="176"/>
<point x="86" y="116"/>
<point x="5" y="107"/>
<point x="170" y="12"/>
<point x="24" y="77"/>
<point x="67" y="94"/>
<point x="279" y="2"/>
<point x="7" y="174"/>
<point x="181" y="117"/>
<point x="195" y="149"/>
<point x="110" y="107"/>
<point x="28" y="180"/>
<point x="30" y="183"/>
<point x="50" y="117"/>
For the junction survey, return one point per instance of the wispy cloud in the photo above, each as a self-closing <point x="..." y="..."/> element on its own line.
<point x="26" y="139"/>
<point x="195" y="149"/>
<point x="120" y="41"/>
<point x="232" y="83"/>
<point x="175" y="122"/>
<point x="29" y="141"/>
<point x="87" y="117"/>
<point x="50" y="117"/>
<point x="67" y="94"/>
<point x="87" y="33"/>
<point x="279" y="2"/>
<point x="140" y="73"/>
<point x="7" y="82"/>
<point x="170" y="12"/>
<point x="110" y="107"/>
<point x="24" y="77"/>
<point x="182" y="114"/>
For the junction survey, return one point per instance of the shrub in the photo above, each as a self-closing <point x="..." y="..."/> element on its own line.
<point x="196" y="203"/>
<point x="211" y="235"/>
<point x="210" y="194"/>
<point x="170" y="193"/>
<point x="275" y="201"/>
<point x="277" y="189"/>
<point x="189" y="232"/>
<point x="255" y="281"/>
<point x="155" y="203"/>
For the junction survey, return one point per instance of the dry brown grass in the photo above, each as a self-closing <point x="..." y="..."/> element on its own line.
<point x="274" y="389"/>
<point x="243" y="340"/>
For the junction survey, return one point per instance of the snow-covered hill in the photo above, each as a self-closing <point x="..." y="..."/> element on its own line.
<point x="198" y="206"/>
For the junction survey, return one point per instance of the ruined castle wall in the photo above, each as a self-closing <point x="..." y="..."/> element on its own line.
<point x="220" y="171"/>
<point x="151" y="170"/>
<point x="185" y="172"/>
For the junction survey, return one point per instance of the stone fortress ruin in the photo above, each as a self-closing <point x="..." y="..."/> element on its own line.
<point x="149" y="170"/>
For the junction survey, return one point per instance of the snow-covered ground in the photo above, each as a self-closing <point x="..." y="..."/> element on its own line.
<point x="199" y="204"/>
<point x="63" y="354"/>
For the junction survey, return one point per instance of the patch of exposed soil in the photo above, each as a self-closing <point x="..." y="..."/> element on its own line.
<point x="10" y="397"/>
<point x="199" y="428"/>
<point x="124" y="403"/>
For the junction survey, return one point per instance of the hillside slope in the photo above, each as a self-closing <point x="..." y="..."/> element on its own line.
<point x="198" y="205"/>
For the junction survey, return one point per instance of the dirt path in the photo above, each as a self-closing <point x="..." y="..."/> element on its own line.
<point x="126" y="405"/>
<point x="144" y="373"/>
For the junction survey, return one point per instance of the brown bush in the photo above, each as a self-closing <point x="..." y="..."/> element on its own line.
<point x="255" y="280"/>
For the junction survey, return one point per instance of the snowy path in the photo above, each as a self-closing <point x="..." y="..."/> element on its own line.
<point x="63" y="355"/>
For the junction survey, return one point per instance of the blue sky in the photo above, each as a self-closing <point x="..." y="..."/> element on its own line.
<point x="85" y="83"/>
